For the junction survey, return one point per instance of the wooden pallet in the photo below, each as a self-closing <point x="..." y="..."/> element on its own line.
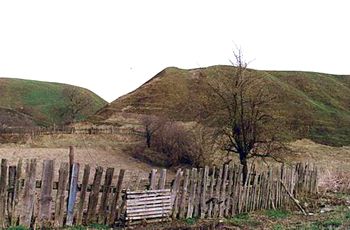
<point x="148" y="206"/>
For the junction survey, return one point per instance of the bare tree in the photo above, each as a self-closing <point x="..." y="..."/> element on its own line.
<point x="242" y="112"/>
<point x="151" y="125"/>
<point x="76" y="102"/>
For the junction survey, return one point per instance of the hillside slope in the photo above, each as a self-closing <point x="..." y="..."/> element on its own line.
<point x="12" y="118"/>
<point x="41" y="100"/>
<point x="309" y="105"/>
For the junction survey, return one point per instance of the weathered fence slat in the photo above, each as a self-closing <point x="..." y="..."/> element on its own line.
<point x="162" y="179"/>
<point x="217" y="194"/>
<point x="103" y="211"/>
<point x="115" y="198"/>
<point x="211" y="194"/>
<point x="153" y="179"/>
<point x="175" y="198"/>
<point x="184" y="194"/>
<point x="16" y="194"/>
<point x="46" y="193"/>
<point x="60" y="195"/>
<point x="73" y="188"/>
<point x="29" y="194"/>
<point x="204" y="192"/>
<point x="11" y="191"/>
<point x="198" y="193"/>
<point x="223" y="192"/>
<point x="84" y="185"/>
<point x="3" y="191"/>
<point x="192" y="193"/>
<point x="93" y="198"/>
<point x="229" y="192"/>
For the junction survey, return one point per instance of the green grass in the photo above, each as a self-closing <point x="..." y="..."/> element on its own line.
<point x="243" y="219"/>
<point x="277" y="214"/>
<point x="91" y="226"/>
<point x="41" y="99"/>
<point x="20" y="227"/>
<point x="327" y="224"/>
<point x="191" y="221"/>
<point x="309" y="105"/>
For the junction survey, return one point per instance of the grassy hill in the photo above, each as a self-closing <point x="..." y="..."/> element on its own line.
<point x="309" y="105"/>
<point x="41" y="100"/>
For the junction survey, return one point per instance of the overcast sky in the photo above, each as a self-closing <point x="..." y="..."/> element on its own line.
<point x="112" y="47"/>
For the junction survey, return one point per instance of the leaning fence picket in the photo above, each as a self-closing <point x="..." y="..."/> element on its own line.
<point x="72" y="193"/>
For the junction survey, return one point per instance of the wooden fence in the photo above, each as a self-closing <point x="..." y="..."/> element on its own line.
<point x="46" y="203"/>
<point x="219" y="192"/>
<point x="195" y="193"/>
<point x="38" y="131"/>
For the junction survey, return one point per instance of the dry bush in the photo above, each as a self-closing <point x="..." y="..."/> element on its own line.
<point x="174" y="143"/>
<point x="336" y="181"/>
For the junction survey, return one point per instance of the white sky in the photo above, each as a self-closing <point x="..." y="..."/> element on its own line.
<point x="112" y="47"/>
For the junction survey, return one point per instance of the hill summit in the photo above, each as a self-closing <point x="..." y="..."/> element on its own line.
<point x="308" y="105"/>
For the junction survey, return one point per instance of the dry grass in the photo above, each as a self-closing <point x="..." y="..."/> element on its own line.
<point x="95" y="150"/>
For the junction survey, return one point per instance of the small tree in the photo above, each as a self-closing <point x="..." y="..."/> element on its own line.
<point x="76" y="102"/>
<point x="242" y="112"/>
<point x="151" y="125"/>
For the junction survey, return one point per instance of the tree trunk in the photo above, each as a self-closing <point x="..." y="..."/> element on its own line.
<point x="148" y="139"/>
<point x="245" y="169"/>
